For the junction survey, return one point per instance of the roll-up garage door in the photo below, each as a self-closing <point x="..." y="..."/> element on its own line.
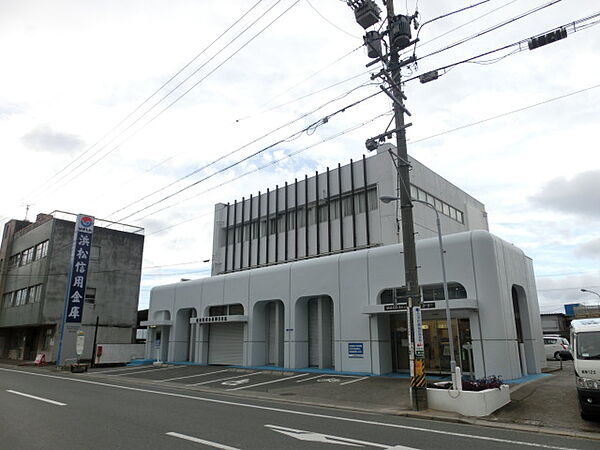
<point x="226" y="343"/>
<point x="314" y="336"/>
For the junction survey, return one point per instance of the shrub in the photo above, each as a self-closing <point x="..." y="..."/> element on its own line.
<point x="481" y="384"/>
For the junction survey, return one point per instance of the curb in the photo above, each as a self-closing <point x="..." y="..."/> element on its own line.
<point x="563" y="432"/>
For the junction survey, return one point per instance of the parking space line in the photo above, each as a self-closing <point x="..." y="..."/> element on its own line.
<point x="311" y="378"/>
<point x="122" y="369"/>
<point x="224" y="379"/>
<point x="353" y="381"/>
<point x="146" y="371"/>
<point x="192" y="376"/>
<point x="267" y="382"/>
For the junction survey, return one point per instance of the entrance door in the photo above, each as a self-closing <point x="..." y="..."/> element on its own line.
<point x="399" y="337"/>
<point x="437" y="344"/>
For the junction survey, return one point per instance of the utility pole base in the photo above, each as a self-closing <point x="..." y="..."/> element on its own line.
<point x="418" y="398"/>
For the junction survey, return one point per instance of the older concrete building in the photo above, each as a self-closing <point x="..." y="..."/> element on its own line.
<point x="311" y="275"/>
<point x="34" y="265"/>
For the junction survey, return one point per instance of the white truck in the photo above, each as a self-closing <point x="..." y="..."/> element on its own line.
<point x="585" y="341"/>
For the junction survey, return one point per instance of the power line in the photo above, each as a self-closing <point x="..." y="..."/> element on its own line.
<point x="293" y="136"/>
<point x="422" y="44"/>
<point x="122" y="121"/>
<point x="330" y="22"/>
<point x="448" y="131"/>
<point x="493" y="28"/>
<point x="237" y="150"/>
<point x="514" y="111"/>
<point x="176" y="99"/>
<point x="577" y="25"/>
<point x="272" y="163"/>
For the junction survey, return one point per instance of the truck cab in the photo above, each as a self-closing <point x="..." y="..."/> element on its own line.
<point x="585" y="340"/>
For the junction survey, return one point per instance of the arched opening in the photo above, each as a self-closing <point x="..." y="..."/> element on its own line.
<point x="268" y="333"/>
<point x="524" y="335"/>
<point x="184" y="335"/>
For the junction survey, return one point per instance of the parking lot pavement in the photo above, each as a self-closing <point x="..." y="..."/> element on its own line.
<point x="342" y="390"/>
<point x="548" y="402"/>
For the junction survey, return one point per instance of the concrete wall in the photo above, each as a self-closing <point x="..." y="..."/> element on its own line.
<point x="487" y="267"/>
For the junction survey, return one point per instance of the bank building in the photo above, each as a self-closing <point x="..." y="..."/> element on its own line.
<point x="310" y="273"/>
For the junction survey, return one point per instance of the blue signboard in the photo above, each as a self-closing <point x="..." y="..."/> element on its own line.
<point x="80" y="258"/>
<point x="356" y="350"/>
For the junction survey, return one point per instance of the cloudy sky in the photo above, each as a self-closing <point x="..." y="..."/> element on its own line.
<point x="112" y="107"/>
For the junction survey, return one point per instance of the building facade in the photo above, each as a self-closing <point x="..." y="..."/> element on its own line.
<point x="338" y="312"/>
<point x="34" y="265"/>
<point x="333" y="212"/>
<point x="311" y="275"/>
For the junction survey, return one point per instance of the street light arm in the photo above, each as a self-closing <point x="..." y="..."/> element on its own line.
<point x="591" y="292"/>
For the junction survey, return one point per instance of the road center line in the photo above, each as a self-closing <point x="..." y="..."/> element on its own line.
<point x="288" y="411"/>
<point x="267" y="382"/>
<point x="192" y="376"/>
<point x="37" y="398"/>
<point x="200" y="441"/>
<point x="224" y="379"/>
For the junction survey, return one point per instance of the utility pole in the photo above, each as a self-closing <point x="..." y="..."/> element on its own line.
<point x="398" y="32"/>
<point x="417" y="369"/>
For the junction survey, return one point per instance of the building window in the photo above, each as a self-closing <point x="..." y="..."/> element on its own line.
<point x="235" y="309"/>
<point x="429" y="293"/>
<point x="442" y="207"/>
<point x="35" y="292"/>
<point x="90" y="295"/>
<point x="41" y="250"/>
<point x="8" y="300"/>
<point x="21" y="296"/>
<point x="27" y="256"/>
<point x="14" y="260"/>
<point x="95" y="253"/>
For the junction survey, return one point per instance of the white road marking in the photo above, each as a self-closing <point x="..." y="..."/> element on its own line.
<point x="236" y="382"/>
<point x="147" y="370"/>
<point x="200" y="441"/>
<point x="123" y="369"/>
<point x="328" y="380"/>
<point x="267" y="382"/>
<point x="310" y="436"/>
<point x="311" y="378"/>
<point x="288" y="411"/>
<point x="192" y="376"/>
<point x="223" y="379"/>
<point x="37" y="398"/>
<point x="353" y="381"/>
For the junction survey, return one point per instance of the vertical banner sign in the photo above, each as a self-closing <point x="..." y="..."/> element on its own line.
<point x="75" y="292"/>
<point x="418" y="327"/>
<point x="80" y="258"/>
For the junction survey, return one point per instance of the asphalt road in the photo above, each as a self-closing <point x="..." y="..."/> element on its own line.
<point x="44" y="410"/>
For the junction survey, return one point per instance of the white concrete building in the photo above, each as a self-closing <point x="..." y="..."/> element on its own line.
<point x="332" y="307"/>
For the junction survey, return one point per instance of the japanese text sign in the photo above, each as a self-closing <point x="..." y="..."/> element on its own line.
<point x="80" y="258"/>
